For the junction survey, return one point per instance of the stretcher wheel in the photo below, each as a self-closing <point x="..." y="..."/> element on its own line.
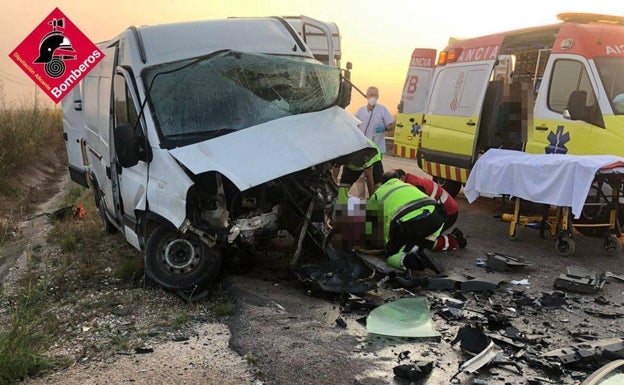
<point x="565" y="247"/>
<point x="611" y="246"/>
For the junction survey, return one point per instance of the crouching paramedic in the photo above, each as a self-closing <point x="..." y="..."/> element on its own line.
<point x="412" y="223"/>
<point x="437" y="192"/>
<point x="373" y="171"/>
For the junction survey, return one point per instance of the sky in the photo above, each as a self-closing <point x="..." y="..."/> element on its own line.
<point x="378" y="37"/>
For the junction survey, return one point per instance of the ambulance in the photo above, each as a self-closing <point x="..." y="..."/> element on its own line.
<point x="550" y="89"/>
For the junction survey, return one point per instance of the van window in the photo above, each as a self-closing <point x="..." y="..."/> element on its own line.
<point x="125" y="110"/>
<point x="202" y="98"/>
<point x="568" y="76"/>
<point x="611" y="71"/>
<point x="457" y="90"/>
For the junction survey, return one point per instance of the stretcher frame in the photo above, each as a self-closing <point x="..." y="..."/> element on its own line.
<point x="562" y="226"/>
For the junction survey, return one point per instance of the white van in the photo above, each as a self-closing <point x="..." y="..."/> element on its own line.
<point x="202" y="136"/>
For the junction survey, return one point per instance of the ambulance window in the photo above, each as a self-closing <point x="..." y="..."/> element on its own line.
<point x="569" y="76"/>
<point x="125" y="111"/>
<point x="612" y="77"/>
<point x="457" y="90"/>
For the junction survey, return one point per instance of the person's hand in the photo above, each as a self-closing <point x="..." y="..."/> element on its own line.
<point x="379" y="129"/>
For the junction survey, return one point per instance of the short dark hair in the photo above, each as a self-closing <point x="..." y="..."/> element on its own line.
<point x="389" y="175"/>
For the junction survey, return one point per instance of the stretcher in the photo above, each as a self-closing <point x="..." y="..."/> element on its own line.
<point x="575" y="191"/>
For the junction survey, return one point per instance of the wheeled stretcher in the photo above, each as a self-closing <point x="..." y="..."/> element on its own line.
<point x="576" y="191"/>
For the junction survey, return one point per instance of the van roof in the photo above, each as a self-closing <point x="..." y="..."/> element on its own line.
<point x="177" y="41"/>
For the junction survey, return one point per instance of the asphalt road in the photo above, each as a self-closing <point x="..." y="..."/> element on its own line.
<point x="294" y="336"/>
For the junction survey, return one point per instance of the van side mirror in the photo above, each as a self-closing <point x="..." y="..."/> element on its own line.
<point x="344" y="96"/>
<point x="127" y="145"/>
<point x="575" y="109"/>
<point x="400" y="106"/>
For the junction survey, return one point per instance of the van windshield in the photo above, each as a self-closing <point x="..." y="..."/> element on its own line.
<point x="611" y="70"/>
<point x="202" y="98"/>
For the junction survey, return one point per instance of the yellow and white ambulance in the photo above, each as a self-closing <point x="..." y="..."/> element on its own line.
<point x="549" y="89"/>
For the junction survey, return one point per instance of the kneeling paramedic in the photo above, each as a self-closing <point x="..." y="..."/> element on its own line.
<point x="412" y="222"/>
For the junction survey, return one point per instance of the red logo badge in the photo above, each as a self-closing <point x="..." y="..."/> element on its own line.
<point x="56" y="55"/>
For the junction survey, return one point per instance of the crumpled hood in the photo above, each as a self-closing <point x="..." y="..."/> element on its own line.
<point x="280" y="147"/>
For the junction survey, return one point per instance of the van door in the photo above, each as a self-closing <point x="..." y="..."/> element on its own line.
<point x="451" y="122"/>
<point x="73" y="133"/>
<point x="413" y="102"/>
<point x="97" y="93"/>
<point x="566" y="84"/>
<point x="132" y="180"/>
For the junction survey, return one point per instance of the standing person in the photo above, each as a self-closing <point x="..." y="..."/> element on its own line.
<point x="435" y="191"/>
<point x="375" y="118"/>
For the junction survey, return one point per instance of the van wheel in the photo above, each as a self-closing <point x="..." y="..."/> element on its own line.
<point x="180" y="261"/>
<point x="452" y="187"/>
<point x="108" y="226"/>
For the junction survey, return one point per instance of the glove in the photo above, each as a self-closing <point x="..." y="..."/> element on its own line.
<point x="379" y="129"/>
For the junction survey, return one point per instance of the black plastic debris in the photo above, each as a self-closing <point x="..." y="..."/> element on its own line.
<point x="601" y="300"/>
<point x="451" y="313"/>
<point x="552" y="299"/>
<point x="479" y="286"/>
<point x="344" y="272"/>
<point x="580" y="280"/>
<point x="143" y="350"/>
<point x="501" y="262"/>
<point x="404" y="355"/>
<point x="413" y="372"/>
<point x="584" y="350"/>
<point x="341" y="322"/>
<point x="471" y="339"/>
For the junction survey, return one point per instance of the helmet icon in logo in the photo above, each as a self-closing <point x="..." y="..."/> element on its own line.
<point x="53" y="49"/>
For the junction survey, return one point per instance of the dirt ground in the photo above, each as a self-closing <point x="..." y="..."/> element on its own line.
<point x="281" y="331"/>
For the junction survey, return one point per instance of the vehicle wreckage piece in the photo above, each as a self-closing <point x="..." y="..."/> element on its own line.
<point x="490" y="354"/>
<point x="406" y="317"/>
<point x="413" y="372"/>
<point x="583" y="350"/>
<point x="501" y="262"/>
<point x="343" y="272"/>
<point x="580" y="280"/>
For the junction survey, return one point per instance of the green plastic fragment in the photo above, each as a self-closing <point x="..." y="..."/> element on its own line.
<point x="406" y="317"/>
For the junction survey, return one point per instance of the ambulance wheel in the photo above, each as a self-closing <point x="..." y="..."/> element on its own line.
<point x="565" y="246"/>
<point x="452" y="187"/>
<point x="107" y="225"/>
<point x="180" y="261"/>
<point x="611" y="246"/>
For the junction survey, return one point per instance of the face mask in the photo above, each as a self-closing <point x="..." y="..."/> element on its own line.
<point x="372" y="101"/>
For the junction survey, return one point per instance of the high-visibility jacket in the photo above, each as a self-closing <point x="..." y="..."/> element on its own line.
<point x="401" y="201"/>
<point x="369" y="163"/>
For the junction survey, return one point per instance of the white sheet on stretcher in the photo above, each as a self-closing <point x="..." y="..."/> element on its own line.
<point x="554" y="179"/>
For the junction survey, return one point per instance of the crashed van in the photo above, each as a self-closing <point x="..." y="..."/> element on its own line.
<point x="555" y="88"/>
<point x="205" y="136"/>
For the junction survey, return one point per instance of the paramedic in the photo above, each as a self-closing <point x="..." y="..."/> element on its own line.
<point x="375" y="119"/>
<point x="373" y="170"/>
<point x="437" y="192"/>
<point x="411" y="222"/>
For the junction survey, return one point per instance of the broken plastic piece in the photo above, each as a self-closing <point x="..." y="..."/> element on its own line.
<point x="500" y="262"/>
<point x="580" y="280"/>
<point x="586" y="349"/>
<point x="472" y="340"/>
<point x="406" y="317"/>
<point x="491" y="353"/>
<point x="413" y="372"/>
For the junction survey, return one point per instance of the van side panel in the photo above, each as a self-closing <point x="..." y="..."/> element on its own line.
<point x="74" y="132"/>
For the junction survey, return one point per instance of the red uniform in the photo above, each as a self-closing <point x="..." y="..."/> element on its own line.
<point x="435" y="191"/>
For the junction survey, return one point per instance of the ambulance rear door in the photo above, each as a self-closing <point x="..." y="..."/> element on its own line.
<point x="413" y="101"/>
<point x="450" y="130"/>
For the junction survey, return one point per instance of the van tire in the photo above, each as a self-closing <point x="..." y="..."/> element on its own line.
<point x="107" y="225"/>
<point x="452" y="187"/>
<point x="180" y="261"/>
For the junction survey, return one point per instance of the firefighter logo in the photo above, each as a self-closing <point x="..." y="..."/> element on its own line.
<point x="56" y="55"/>
<point x="53" y="49"/>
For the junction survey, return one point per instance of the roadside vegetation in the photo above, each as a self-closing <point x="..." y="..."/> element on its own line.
<point x="81" y="295"/>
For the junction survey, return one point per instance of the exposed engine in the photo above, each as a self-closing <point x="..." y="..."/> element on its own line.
<point x="299" y="203"/>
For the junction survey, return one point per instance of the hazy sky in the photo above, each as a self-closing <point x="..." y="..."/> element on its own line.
<point x="377" y="36"/>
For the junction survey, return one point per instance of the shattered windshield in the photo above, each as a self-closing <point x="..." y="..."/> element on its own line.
<point x="611" y="70"/>
<point x="203" y="98"/>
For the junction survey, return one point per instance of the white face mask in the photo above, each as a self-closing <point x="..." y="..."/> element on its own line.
<point x="372" y="101"/>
